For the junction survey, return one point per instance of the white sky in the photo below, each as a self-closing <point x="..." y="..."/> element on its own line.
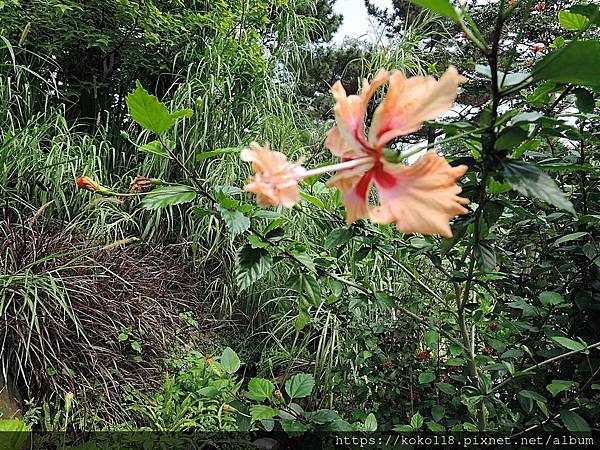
<point x="356" y="22"/>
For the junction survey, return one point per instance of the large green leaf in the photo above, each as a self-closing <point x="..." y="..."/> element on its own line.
<point x="442" y="7"/>
<point x="155" y="148"/>
<point x="568" y="343"/>
<point x="150" y="113"/>
<point x="300" y="385"/>
<point x="235" y="221"/>
<point x="338" y="237"/>
<point x="260" y="389"/>
<point x="558" y="386"/>
<point x="252" y="264"/>
<point x="485" y="256"/>
<point x="574" y="422"/>
<point x="572" y="21"/>
<point x="168" y="196"/>
<point x="577" y="63"/>
<point x="262" y="412"/>
<point x="230" y="360"/>
<point x="308" y="288"/>
<point x="529" y="180"/>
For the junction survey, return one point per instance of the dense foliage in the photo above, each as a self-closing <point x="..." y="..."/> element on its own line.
<point x="226" y="316"/>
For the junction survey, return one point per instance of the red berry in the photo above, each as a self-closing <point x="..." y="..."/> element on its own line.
<point x="493" y="326"/>
<point x="423" y="356"/>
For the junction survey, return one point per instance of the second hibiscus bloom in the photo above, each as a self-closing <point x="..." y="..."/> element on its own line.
<point x="421" y="198"/>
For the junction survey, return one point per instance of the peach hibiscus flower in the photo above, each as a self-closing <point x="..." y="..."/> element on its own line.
<point x="421" y="198"/>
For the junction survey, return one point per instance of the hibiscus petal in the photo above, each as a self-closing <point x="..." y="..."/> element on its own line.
<point x="423" y="198"/>
<point x="339" y="147"/>
<point x="409" y="102"/>
<point x="350" y="110"/>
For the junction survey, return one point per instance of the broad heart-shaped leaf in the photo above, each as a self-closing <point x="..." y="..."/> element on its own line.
<point x="150" y="113"/>
<point x="155" y="148"/>
<point x="529" y="180"/>
<point x="568" y="343"/>
<point x="308" y="288"/>
<point x="260" y="389"/>
<point x="572" y="21"/>
<point x="438" y="412"/>
<point x="13" y="434"/>
<point x="300" y="385"/>
<point x="252" y="264"/>
<point x="442" y="7"/>
<point x="558" y="386"/>
<point x="168" y="196"/>
<point x="578" y="63"/>
<point x="262" y="412"/>
<point x="230" y="360"/>
<point x="574" y="422"/>
<point x="235" y="221"/>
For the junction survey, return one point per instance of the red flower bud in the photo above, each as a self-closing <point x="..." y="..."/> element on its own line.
<point x="388" y="363"/>
<point x="88" y="183"/>
<point x="486" y="351"/>
<point x="493" y="326"/>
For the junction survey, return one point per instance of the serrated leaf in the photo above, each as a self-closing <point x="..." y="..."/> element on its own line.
<point x="167" y="196"/>
<point x="300" y="385"/>
<point x="338" y="237"/>
<point x="308" y="288"/>
<point x="572" y="21"/>
<point x="182" y="113"/>
<point x="416" y="421"/>
<point x="574" y="422"/>
<point x="262" y="412"/>
<point x="324" y="416"/>
<point x="252" y="265"/>
<point x="435" y="427"/>
<point x="304" y="258"/>
<point x="431" y="338"/>
<point x="260" y="389"/>
<point x="235" y="221"/>
<point x="230" y="360"/>
<point x="529" y="180"/>
<point x="511" y="138"/>
<point x="155" y="148"/>
<point x="578" y="63"/>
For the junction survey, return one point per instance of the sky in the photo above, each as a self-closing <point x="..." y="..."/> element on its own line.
<point x="356" y="22"/>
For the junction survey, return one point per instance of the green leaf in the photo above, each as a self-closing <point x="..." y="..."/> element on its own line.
<point x="442" y="7"/>
<point x="230" y="360"/>
<point x="584" y="100"/>
<point x="485" y="256"/>
<point x="435" y="427"/>
<point x="302" y="319"/>
<point x="148" y="111"/>
<point x="572" y="21"/>
<point x="168" y="196"/>
<point x="426" y="377"/>
<point x="13" y="434"/>
<point x="446" y="388"/>
<point x="370" y="423"/>
<point x="209" y="392"/>
<point x="182" y="113"/>
<point x="577" y="63"/>
<point x="235" y="221"/>
<point x="569" y="237"/>
<point x="568" y="343"/>
<point x="308" y="288"/>
<point x="252" y="265"/>
<point x="324" y="416"/>
<point x="300" y="385"/>
<point x="529" y="180"/>
<point x="574" y="422"/>
<point x="504" y="79"/>
<point x="262" y="412"/>
<point x="292" y="427"/>
<point x="438" y="412"/>
<point x="218" y="152"/>
<point x="416" y="421"/>
<point x="558" y="386"/>
<point x="313" y="200"/>
<point x="260" y="389"/>
<point x="155" y="148"/>
<point x="304" y="258"/>
<point x="551" y="298"/>
<point x="511" y="138"/>
<point x="431" y="338"/>
<point x="532" y="395"/>
<point x="135" y="345"/>
<point x="338" y="237"/>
